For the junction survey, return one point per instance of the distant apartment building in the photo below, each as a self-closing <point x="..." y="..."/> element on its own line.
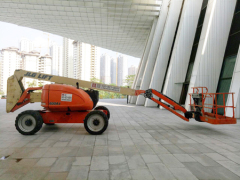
<point x="84" y="64"/>
<point x="30" y="62"/>
<point x="26" y="45"/>
<point x="57" y="56"/>
<point x="132" y="70"/>
<point x="105" y="69"/>
<point x="67" y="58"/>
<point x="121" y="70"/>
<point x="10" y="61"/>
<point x="44" y="66"/>
<point x="113" y="71"/>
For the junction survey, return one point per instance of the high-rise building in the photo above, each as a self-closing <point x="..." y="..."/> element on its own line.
<point x="85" y="64"/>
<point x="113" y="71"/>
<point x="56" y="53"/>
<point x="10" y="61"/>
<point x="132" y="70"/>
<point x="30" y="63"/>
<point x="121" y="70"/>
<point x="105" y="72"/>
<point x="45" y="66"/>
<point x="67" y="58"/>
<point x="26" y="45"/>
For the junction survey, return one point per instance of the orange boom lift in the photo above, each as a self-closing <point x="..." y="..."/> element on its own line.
<point x="64" y="103"/>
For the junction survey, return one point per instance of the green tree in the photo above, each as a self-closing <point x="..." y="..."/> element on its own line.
<point x="1" y="92"/>
<point x="32" y="84"/>
<point x="40" y="84"/>
<point x="129" y="80"/>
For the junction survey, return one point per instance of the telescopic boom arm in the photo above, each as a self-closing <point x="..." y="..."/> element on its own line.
<point x="17" y="96"/>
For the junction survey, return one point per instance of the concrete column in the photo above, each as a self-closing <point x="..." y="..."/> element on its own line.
<point x="145" y="81"/>
<point x="235" y="88"/>
<point x="178" y="66"/>
<point x="141" y="68"/>
<point x="155" y="71"/>
<point x="212" y="45"/>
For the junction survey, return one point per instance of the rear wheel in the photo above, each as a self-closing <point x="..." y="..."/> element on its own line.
<point x="29" y="122"/>
<point x="103" y="108"/>
<point x="96" y="122"/>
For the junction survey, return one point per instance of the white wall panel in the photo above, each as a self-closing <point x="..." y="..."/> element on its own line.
<point x="182" y="49"/>
<point x="155" y="71"/>
<point x="212" y="45"/>
<point x="138" y="78"/>
<point x="235" y="88"/>
<point x="145" y="80"/>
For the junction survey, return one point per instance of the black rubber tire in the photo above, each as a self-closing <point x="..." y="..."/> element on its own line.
<point x="38" y="118"/>
<point x="103" y="108"/>
<point x="95" y="112"/>
<point x="49" y="124"/>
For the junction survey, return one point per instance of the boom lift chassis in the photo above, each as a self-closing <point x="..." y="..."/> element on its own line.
<point x="18" y="96"/>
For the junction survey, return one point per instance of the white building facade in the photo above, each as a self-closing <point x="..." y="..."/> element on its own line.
<point x="105" y="69"/>
<point x="26" y="45"/>
<point x="132" y="70"/>
<point x="44" y="66"/>
<point x="67" y="65"/>
<point x="57" y="56"/>
<point x="113" y="71"/>
<point x="121" y="70"/>
<point x="10" y="61"/>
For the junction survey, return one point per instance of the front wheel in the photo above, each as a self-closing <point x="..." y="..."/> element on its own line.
<point x="103" y="108"/>
<point x="29" y="122"/>
<point x="96" y="122"/>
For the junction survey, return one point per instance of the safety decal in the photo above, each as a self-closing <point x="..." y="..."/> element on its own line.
<point x="105" y="87"/>
<point x="66" y="97"/>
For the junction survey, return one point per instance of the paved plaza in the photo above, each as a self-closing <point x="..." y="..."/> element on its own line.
<point x="140" y="143"/>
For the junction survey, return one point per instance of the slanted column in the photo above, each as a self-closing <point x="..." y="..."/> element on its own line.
<point x="235" y="88"/>
<point x="137" y="80"/>
<point x="212" y="45"/>
<point x="178" y="66"/>
<point x="148" y="68"/>
<point x="155" y="72"/>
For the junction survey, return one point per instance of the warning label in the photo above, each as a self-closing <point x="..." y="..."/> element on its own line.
<point x="105" y="87"/>
<point x="66" y="97"/>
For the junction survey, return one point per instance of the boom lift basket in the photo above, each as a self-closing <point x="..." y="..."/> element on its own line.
<point x="206" y="109"/>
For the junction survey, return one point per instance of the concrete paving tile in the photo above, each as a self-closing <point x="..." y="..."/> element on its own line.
<point x="182" y="174"/>
<point x="203" y="172"/>
<point x="82" y="161"/>
<point x="141" y="174"/>
<point x="201" y="148"/>
<point x="143" y="149"/>
<point x="11" y="176"/>
<point x="78" y="172"/>
<point x="60" y="144"/>
<point x="117" y="159"/>
<point x="135" y="162"/>
<point x="119" y="172"/>
<point x="48" y="143"/>
<point x="75" y="143"/>
<point x="115" y="150"/>
<point x="232" y="157"/>
<point x="130" y="150"/>
<point x="36" y="173"/>
<point x="85" y="151"/>
<point x="100" y="151"/>
<point x="62" y="164"/>
<point x="160" y="171"/>
<point x="173" y="149"/>
<point x="148" y="158"/>
<point x="48" y="162"/>
<point x="184" y="158"/>
<point x="99" y="163"/>
<point x="204" y="160"/>
<point x="170" y="161"/>
<point x="159" y="149"/>
<point x="54" y="176"/>
<point x="53" y="152"/>
<point x="2" y="171"/>
<point x="69" y="152"/>
<point x="232" y="166"/>
<point x="37" y="153"/>
<point x="101" y="142"/>
<point x="97" y="175"/>
<point x="216" y="156"/>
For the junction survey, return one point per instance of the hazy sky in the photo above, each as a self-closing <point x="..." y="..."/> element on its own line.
<point x="11" y="34"/>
